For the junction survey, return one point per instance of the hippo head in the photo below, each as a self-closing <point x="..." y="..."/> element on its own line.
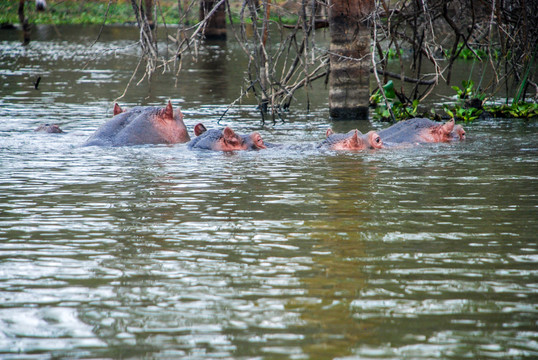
<point x="49" y="128"/>
<point x="353" y="140"/>
<point x="169" y="124"/>
<point x="225" y="140"/>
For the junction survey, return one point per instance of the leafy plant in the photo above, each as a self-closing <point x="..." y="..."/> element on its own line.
<point x="459" y="112"/>
<point x="400" y="110"/>
<point x="466" y="90"/>
<point x="393" y="54"/>
<point x="516" y="110"/>
<point x="388" y="88"/>
<point x="466" y="53"/>
<point x="469" y="102"/>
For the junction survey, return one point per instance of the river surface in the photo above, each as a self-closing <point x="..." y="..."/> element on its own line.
<point x="159" y="252"/>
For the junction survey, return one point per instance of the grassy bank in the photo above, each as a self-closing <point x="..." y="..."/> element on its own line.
<point x="119" y="12"/>
<point x="82" y="12"/>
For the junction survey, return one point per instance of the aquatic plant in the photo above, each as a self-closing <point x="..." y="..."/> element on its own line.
<point x="522" y="110"/>
<point x="466" y="91"/>
<point x="458" y="112"/>
<point x="401" y="111"/>
<point x="466" y="52"/>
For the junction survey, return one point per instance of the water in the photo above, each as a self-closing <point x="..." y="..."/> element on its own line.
<point x="160" y="252"/>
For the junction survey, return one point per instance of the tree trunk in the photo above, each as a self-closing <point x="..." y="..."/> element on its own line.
<point x="215" y="28"/>
<point x="148" y="8"/>
<point x="24" y="24"/>
<point x="349" y="77"/>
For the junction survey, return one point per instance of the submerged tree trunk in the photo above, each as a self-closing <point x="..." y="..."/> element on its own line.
<point x="148" y="5"/>
<point x="24" y="24"/>
<point x="215" y="28"/>
<point x="349" y="59"/>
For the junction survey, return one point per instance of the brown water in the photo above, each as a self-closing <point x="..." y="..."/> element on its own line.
<point x="160" y="252"/>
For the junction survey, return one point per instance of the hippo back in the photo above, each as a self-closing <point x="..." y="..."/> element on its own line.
<point x="405" y="131"/>
<point x="205" y="140"/>
<point x="141" y="125"/>
<point x="107" y="133"/>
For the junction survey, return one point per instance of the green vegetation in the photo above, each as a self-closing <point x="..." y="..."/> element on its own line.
<point x="392" y="53"/>
<point x="516" y="110"/>
<point x="459" y="112"/>
<point x="74" y="12"/>
<point x="93" y="12"/>
<point x="468" y="54"/>
<point x="469" y="105"/>
<point x="400" y="110"/>
<point x="467" y="91"/>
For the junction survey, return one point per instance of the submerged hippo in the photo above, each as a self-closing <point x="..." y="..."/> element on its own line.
<point x="421" y="130"/>
<point x="353" y="140"/>
<point x="141" y="125"/>
<point x="224" y="140"/>
<point x="49" y="128"/>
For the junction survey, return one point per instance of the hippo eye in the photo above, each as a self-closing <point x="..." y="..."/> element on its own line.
<point x="377" y="139"/>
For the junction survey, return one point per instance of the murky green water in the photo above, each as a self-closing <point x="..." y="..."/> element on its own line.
<point x="161" y="252"/>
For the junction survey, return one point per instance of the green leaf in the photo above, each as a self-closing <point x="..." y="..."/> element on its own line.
<point x="389" y="90"/>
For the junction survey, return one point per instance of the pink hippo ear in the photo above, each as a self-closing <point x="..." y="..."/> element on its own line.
<point x="229" y="134"/>
<point x="329" y="132"/>
<point x="375" y="140"/>
<point x="168" y="112"/>
<point x="448" y="126"/>
<point x="117" y="109"/>
<point x="355" y="140"/>
<point x="230" y="137"/>
<point x="199" y="129"/>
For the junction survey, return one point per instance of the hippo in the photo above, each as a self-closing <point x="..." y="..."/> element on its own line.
<point x="141" y="125"/>
<point x="224" y="140"/>
<point x="353" y="140"/>
<point x="421" y="130"/>
<point x="49" y="128"/>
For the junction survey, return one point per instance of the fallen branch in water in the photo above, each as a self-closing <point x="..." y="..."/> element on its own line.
<point x="405" y="78"/>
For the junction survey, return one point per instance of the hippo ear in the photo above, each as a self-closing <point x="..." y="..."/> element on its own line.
<point x="329" y="132"/>
<point x="168" y="111"/>
<point x="228" y="133"/>
<point x="447" y="127"/>
<point x="117" y="109"/>
<point x="355" y="138"/>
<point x="230" y="136"/>
<point x="199" y="129"/>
